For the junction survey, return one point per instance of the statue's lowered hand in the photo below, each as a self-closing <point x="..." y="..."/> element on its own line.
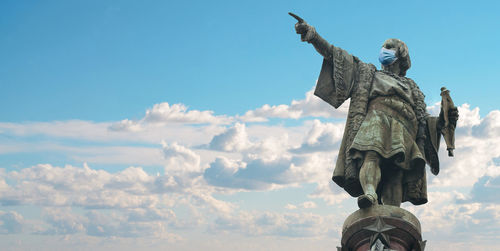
<point x="305" y="30"/>
<point x="453" y="115"/>
<point x="435" y="170"/>
<point x="452" y="118"/>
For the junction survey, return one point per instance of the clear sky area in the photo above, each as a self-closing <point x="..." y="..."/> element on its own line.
<point x="108" y="60"/>
<point x="188" y="125"/>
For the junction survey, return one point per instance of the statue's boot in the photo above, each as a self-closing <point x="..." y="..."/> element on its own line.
<point x="367" y="200"/>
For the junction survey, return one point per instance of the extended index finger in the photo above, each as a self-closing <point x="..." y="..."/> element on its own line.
<point x="296" y="17"/>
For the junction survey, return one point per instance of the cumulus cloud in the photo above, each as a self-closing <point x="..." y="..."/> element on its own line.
<point x="322" y="137"/>
<point x="233" y="139"/>
<point x="105" y="225"/>
<point x="434" y="109"/>
<point x="309" y="204"/>
<point x="259" y="174"/>
<point x="311" y="106"/>
<point x="468" y="117"/>
<point x="63" y="221"/>
<point x="180" y="157"/>
<point x="477" y="143"/>
<point x="239" y="158"/>
<point x="125" y="125"/>
<point x="163" y="113"/>
<point x="274" y="162"/>
<point x="11" y="222"/>
<point x="31" y="136"/>
<point x="330" y="193"/>
<point x="128" y="203"/>
<point x="256" y="172"/>
<point x="485" y="190"/>
<point x="128" y="223"/>
<point x="489" y="127"/>
<point x="277" y="224"/>
<point x="46" y="185"/>
<point x="462" y="224"/>
<point x="255" y="175"/>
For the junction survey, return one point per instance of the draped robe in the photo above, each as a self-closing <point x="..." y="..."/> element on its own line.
<point x="343" y="77"/>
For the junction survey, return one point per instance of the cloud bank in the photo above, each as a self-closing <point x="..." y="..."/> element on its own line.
<point x="185" y="173"/>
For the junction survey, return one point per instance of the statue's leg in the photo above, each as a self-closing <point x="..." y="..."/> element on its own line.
<point x="392" y="190"/>
<point x="369" y="177"/>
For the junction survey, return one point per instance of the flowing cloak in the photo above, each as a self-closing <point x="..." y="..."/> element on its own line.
<point x="343" y="77"/>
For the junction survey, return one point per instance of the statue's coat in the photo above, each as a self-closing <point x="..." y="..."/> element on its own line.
<point x="344" y="76"/>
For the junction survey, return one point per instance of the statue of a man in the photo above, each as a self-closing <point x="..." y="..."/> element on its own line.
<point x="389" y="136"/>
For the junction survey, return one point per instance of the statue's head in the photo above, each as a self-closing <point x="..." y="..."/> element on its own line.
<point x="395" y="57"/>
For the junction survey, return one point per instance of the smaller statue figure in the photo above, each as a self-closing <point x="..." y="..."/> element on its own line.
<point x="448" y="129"/>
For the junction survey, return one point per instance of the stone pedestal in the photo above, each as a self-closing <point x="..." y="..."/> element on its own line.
<point x="381" y="228"/>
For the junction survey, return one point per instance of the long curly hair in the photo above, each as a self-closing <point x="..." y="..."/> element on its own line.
<point x="401" y="52"/>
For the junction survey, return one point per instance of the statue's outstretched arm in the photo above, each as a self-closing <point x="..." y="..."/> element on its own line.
<point x="309" y="34"/>
<point x="322" y="46"/>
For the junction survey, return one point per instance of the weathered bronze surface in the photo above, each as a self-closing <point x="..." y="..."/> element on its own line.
<point x="389" y="136"/>
<point x="448" y="129"/>
<point x="382" y="227"/>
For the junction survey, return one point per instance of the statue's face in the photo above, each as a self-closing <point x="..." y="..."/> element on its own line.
<point x="387" y="56"/>
<point x="403" y="62"/>
<point x="394" y="67"/>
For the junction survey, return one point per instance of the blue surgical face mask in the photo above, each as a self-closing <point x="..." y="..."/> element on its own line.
<point x="387" y="56"/>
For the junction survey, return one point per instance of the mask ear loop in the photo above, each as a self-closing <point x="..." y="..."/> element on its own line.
<point x="393" y="62"/>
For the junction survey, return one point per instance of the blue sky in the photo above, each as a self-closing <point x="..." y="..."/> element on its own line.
<point x="146" y="124"/>
<point x="103" y="60"/>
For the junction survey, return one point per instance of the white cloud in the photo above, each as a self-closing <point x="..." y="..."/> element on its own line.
<point x="22" y="136"/>
<point x="322" y="137"/>
<point x="434" y="109"/>
<point x="163" y="113"/>
<point x="474" y="155"/>
<point x="46" y="185"/>
<point x="459" y="223"/>
<point x="309" y="204"/>
<point x="128" y="203"/>
<point x="11" y="222"/>
<point x="330" y="193"/>
<point x="126" y="125"/>
<point x="180" y="158"/>
<point x="233" y="139"/>
<point x="311" y="106"/>
<point x="63" y="221"/>
<point x="129" y="223"/>
<point x="197" y="188"/>
<point x="489" y="127"/>
<point x="292" y="225"/>
<point x="112" y="224"/>
<point x="485" y="190"/>
<point x="468" y="117"/>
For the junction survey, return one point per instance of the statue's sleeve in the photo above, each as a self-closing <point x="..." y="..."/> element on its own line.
<point x="338" y="75"/>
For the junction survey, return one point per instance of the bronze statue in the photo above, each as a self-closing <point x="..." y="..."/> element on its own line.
<point x="389" y="136"/>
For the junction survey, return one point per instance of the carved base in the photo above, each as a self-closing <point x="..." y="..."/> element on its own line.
<point x="382" y="227"/>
